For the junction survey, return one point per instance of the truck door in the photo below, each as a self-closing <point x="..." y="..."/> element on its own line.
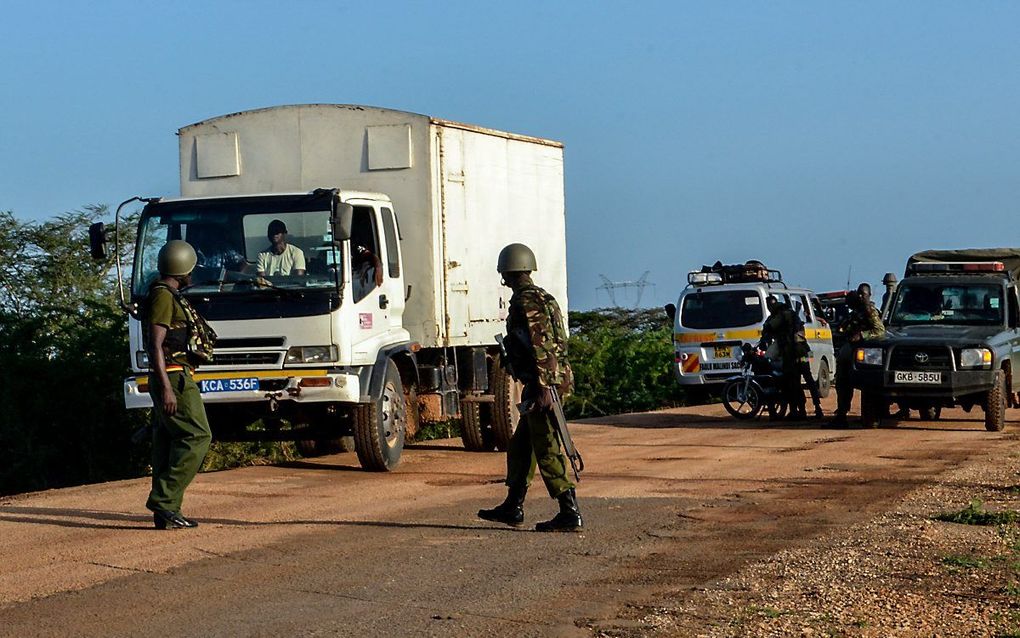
<point x="376" y="295"/>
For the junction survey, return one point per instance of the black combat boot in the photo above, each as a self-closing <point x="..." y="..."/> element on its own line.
<point x="569" y="517"/>
<point x="509" y="512"/>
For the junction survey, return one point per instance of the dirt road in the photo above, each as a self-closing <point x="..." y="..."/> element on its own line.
<point x="673" y="500"/>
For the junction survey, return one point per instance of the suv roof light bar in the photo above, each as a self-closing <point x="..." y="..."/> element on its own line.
<point x="934" y="267"/>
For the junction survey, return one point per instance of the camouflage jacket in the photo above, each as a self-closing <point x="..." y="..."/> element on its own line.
<point x="786" y="329"/>
<point x="863" y="325"/>
<point x="537" y="339"/>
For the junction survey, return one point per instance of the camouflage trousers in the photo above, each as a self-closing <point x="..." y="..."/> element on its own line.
<point x="535" y="443"/>
<point x="844" y="386"/>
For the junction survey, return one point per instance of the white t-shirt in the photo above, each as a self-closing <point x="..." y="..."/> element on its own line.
<point x="292" y="258"/>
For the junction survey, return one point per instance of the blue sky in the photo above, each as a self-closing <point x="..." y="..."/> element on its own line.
<point x="816" y="136"/>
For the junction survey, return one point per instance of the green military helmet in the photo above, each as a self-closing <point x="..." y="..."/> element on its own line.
<point x="516" y="258"/>
<point x="177" y="258"/>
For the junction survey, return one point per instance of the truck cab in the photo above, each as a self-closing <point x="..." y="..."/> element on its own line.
<point x="952" y="339"/>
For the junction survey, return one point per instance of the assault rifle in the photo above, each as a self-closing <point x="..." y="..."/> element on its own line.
<point x="576" y="462"/>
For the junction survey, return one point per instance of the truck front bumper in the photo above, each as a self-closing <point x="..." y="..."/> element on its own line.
<point x="295" y="385"/>
<point x="955" y="384"/>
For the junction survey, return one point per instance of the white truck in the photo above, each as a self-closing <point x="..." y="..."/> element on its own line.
<point x="341" y="350"/>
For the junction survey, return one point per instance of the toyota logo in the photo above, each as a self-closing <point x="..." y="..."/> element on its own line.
<point x="921" y="357"/>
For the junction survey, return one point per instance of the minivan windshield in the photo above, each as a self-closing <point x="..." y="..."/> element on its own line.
<point x="949" y="304"/>
<point x="234" y="244"/>
<point x="710" y="310"/>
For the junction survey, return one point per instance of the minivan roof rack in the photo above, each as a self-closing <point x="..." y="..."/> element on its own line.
<point x="752" y="271"/>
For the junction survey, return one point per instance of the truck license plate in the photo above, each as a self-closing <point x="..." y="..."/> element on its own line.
<point x="934" y="378"/>
<point x="228" y="385"/>
<point x="723" y="352"/>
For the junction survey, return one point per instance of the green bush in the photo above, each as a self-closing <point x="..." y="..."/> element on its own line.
<point x="622" y="362"/>
<point x="62" y="357"/>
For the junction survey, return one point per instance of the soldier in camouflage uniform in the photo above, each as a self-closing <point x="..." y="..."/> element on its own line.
<point x="785" y="328"/>
<point x="536" y="345"/>
<point x="864" y="322"/>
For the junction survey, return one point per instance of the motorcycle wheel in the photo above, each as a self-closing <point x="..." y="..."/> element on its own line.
<point x="742" y="400"/>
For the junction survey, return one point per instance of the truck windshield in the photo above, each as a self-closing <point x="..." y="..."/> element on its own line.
<point x="949" y="303"/>
<point x="233" y="244"/>
<point x="721" y="309"/>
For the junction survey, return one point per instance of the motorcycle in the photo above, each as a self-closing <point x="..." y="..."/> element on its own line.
<point x="757" y="387"/>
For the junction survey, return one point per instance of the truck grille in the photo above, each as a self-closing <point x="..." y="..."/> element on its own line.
<point x="246" y="358"/>
<point x="921" y="358"/>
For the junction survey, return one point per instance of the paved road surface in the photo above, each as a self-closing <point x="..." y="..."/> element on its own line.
<point x="672" y="500"/>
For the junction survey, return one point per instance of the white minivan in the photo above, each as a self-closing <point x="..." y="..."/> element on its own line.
<point x="722" y="308"/>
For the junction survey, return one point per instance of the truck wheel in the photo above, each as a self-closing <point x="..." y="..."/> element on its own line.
<point x="308" y="448"/>
<point x="824" y="379"/>
<point x="871" y="409"/>
<point x="931" y="413"/>
<point x="380" y="426"/>
<point x="995" y="404"/>
<point x="505" y="413"/>
<point x="337" y="445"/>
<point x="473" y="429"/>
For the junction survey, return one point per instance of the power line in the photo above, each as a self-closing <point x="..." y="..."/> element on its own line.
<point x="612" y="286"/>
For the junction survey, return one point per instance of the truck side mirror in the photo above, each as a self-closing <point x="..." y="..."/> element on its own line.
<point x="342" y="221"/>
<point x="670" y="311"/>
<point x="97" y="241"/>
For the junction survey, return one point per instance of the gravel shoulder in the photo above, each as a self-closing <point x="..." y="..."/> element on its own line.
<point x="903" y="572"/>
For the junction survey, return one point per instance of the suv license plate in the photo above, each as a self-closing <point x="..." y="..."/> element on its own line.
<point x="228" y="385"/>
<point x="723" y="352"/>
<point x="934" y="378"/>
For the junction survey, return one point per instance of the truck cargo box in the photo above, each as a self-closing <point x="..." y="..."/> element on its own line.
<point x="460" y="192"/>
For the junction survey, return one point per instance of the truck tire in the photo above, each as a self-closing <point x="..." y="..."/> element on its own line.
<point x="505" y="414"/>
<point x="380" y="426"/>
<point x="308" y="448"/>
<point x="995" y="404"/>
<point x="824" y="379"/>
<point x="931" y="413"/>
<point x="474" y="431"/>
<point x="871" y="410"/>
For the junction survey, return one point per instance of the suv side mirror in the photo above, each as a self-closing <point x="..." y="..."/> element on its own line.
<point x="97" y="241"/>
<point x="670" y="311"/>
<point x="342" y="221"/>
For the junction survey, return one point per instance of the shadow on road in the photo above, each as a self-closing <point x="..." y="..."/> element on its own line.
<point x="666" y="420"/>
<point x="67" y="517"/>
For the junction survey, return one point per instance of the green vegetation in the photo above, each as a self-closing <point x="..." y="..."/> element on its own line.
<point x="965" y="561"/>
<point x="621" y="361"/>
<point x="62" y="359"/>
<point x="975" y="514"/>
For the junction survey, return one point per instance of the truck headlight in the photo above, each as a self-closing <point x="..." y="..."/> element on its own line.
<point x="868" y="356"/>
<point x="312" y="354"/>
<point x="975" y="357"/>
<point x="142" y="359"/>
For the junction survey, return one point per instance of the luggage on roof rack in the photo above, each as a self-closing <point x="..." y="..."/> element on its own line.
<point x="751" y="271"/>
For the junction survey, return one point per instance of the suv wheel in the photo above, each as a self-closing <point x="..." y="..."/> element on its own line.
<point x="995" y="404"/>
